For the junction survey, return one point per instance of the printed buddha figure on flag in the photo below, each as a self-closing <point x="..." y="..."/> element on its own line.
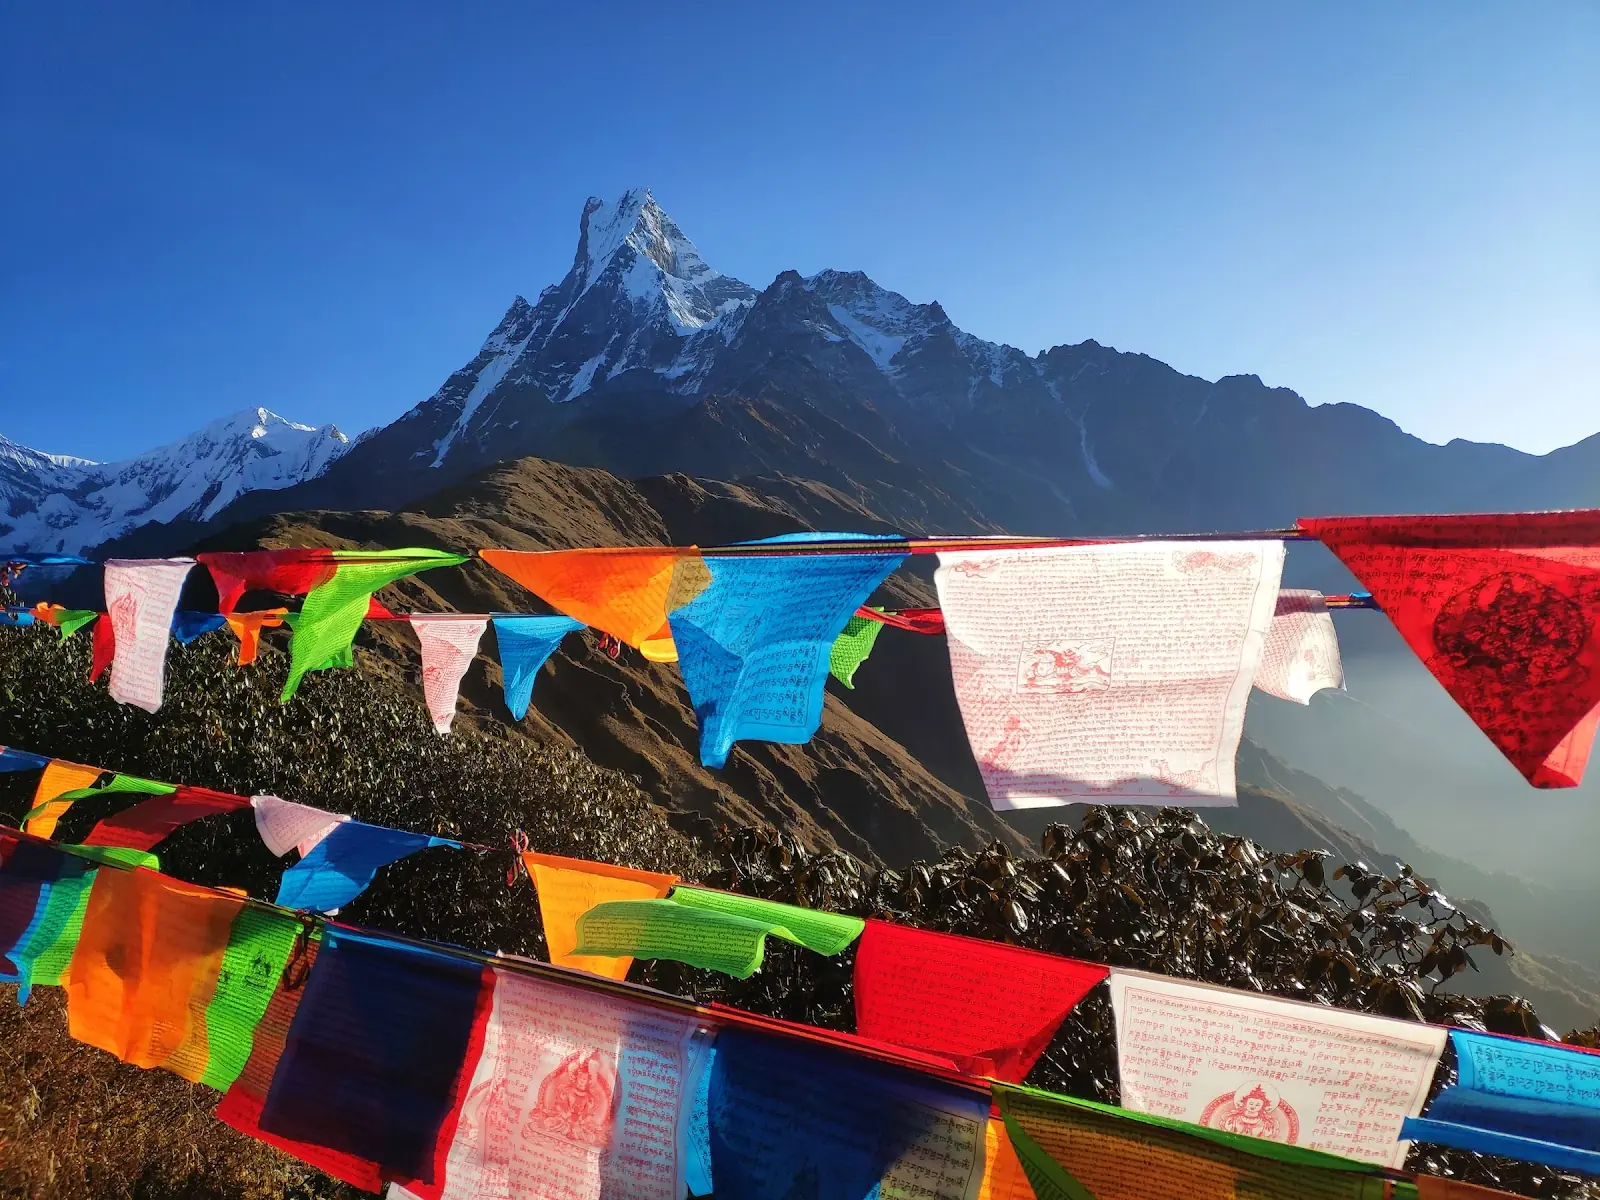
<point x="1254" y="1110"/>
<point x="575" y="1100"/>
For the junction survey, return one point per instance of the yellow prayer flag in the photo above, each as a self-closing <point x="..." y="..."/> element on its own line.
<point x="570" y="887"/>
<point x="58" y="778"/>
<point x="146" y="968"/>
<point x="623" y="592"/>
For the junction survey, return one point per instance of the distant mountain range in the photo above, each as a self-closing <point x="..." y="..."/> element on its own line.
<point x="54" y="503"/>
<point x="645" y="360"/>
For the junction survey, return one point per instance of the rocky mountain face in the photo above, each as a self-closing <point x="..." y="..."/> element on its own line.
<point x="644" y="360"/>
<point x="54" y="503"/>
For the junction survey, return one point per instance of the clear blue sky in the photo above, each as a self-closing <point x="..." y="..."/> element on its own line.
<point x="325" y="208"/>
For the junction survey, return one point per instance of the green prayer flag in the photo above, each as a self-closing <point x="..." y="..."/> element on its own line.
<point x="259" y="945"/>
<point x="850" y="648"/>
<point x="48" y="951"/>
<point x="824" y="932"/>
<point x="69" y="621"/>
<point x="327" y="623"/>
<point x="701" y="937"/>
<point x="119" y="783"/>
<point x="1074" y="1149"/>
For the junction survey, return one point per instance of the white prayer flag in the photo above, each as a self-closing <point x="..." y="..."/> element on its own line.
<point x="285" y="825"/>
<point x="1108" y="673"/>
<point x="141" y="596"/>
<point x="1302" y="652"/>
<point x="449" y="642"/>
<point x="1302" y="1074"/>
<point x="575" y="1096"/>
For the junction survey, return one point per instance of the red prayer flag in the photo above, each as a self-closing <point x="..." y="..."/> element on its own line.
<point x="1503" y="608"/>
<point x="104" y="648"/>
<point x="293" y="572"/>
<point x="917" y="620"/>
<point x="149" y="821"/>
<point x="989" y="1007"/>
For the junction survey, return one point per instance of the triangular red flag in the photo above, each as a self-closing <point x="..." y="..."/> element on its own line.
<point x="1504" y="609"/>
<point x="104" y="648"/>
<point x="149" y="821"/>
<point x="293" y="572"/>
<point x="988" y="1007"/>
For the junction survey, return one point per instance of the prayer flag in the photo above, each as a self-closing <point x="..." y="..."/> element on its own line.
<point x="449" y="642"/>
<point x="187" y="626"/>
<point x="927" y="621"/>
<point x="1503" y="609"/>
<point x="12" y="759"/>
<point x="1431" y="1187"/>
<point x="293" y="572"/>
<point x="989" y="1007"/>
<point x="342" y="864"/>
<point x="525" y="644"/>
<point x="141" y="598"/>
<point x="824" y="932"/>
<point x="377" y="1059"/>
<point x="241" y="1105"/>
<point x="1078" y="1150"/>
<point x="1537" y="1101"/>
<point x="49" y="813"/>
<point x="145" y="969"/>
<point x="697" y="1136"/>
<point x="851" y="648"/>
<point x="285" y="825"/>
<point x="149" y="821"/>
<point x="334" y="610"/>
<point x="794" y="1119"/>
<point x="26" y="867"/>
<point x="622" y="592"/>
<point x="16" y="619"/>
<point x="570" y="887"/>
<point x="754" y="644"/>
<point x="50" y="798"/>
<point x="1108" y="674"/>
<point x="104" y="647"/>
<point x="69" y="621"/>
<point x="42" y="957"/>
<point x="710" y="940"/>
<point x="575" y="1095"/>
<point x="1301" y="657"/>
<point x="247" y="628"/>
<point x="259" y="946"/>
<point x="1300" y="1074"/>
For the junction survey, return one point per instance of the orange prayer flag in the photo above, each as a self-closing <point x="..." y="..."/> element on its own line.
<point x="247" y="628"/>
<point x="146" y="967"/>
<point x="1431" y="1187"/>
<point x="58" y="778"/>
<point x="570" y="887"/>
<point x="1003" y="1177"/>
<point x="621" y="592"/>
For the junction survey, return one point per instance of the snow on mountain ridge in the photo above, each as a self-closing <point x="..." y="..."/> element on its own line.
<point x="56" y="504"/>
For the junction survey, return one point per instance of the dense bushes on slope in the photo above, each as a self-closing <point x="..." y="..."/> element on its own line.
<point x="1160" y="892"/>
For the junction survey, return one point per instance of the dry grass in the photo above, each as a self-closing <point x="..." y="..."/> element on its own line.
<point x="76" y="1123"/>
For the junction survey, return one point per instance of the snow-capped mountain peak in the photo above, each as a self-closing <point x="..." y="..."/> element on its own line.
<point x="54" y="503"/>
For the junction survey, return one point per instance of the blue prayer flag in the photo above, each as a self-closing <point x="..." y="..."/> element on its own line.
<point x="341" y="865"/>
<point x="378" y="1047"/>
<point x="792" y="1118"/>
<point x="525" y="643"/>
<point x="754" y="645"/>
<point x="697" y="1138"/>
<point x="186" y="625"/>
<point x="1537" y="1101"/>
<point x="12" y="759"/>
<point x="28" y="869"/>
<point x="10" y="617"/>
<point x="46" y="560"/>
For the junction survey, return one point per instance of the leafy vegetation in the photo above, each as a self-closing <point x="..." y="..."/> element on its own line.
<point x="1158" y="892"/>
